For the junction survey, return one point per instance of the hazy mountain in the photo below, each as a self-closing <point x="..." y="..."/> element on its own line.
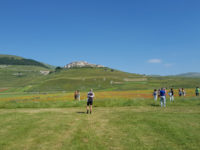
<point x="190" y="75"/>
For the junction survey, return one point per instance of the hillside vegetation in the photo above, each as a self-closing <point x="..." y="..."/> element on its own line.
<point x="19" y="76"/>
<point x="15" y="60"/>
<point x="29" y="78"/>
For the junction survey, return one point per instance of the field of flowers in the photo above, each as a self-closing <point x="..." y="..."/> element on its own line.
<point x="120" y="120"/>
<point x="62" y="96"/>
<point x="3" y="90"/>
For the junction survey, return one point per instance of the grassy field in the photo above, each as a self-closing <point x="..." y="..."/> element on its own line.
<point x="120" y="120"/>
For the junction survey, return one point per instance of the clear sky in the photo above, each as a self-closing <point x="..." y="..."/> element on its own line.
<point x="138" y="36"/>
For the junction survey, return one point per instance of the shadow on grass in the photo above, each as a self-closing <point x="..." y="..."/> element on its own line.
<point x="155" y="105"/>
<point x="81" y="112"/>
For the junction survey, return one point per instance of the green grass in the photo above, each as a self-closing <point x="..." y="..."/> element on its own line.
<point x="120" y="128"/>
<point x="47" y="121"/>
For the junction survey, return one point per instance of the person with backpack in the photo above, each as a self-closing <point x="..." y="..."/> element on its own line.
<point x="155" y="95"/>
<point x="90" y="97"/>
<point x="162" y="98"/>
<point x="197" y="91"/>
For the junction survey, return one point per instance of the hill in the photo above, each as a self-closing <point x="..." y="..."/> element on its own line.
<point x="16" y="60"/>
<point x="19" y="76"/>
<point x="86" y="78"/>
<point x="30" y="79"/>
<point x="18" y="73"/>
<point x="107" y="79"/>
<point x="190" y="75"/>
<point x="37" y="78"/>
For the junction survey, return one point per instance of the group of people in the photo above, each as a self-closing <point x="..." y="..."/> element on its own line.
<point x="181" y="92"/>
<point x="90" y="98"/>
<point x="162" y="93"/>
<point x="159" y="93"/>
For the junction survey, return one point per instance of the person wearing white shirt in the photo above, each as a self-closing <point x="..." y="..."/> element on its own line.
<point x="90" y="99"/>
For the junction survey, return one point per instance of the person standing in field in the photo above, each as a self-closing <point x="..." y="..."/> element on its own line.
<point x="90" y="97"/>
<point x="75" y="95"/>
<point x="78" y="95"/>
<point x="158" y="93"/>
<point x="155" y="95"/>
<point x="165" y="93"/>
<point x="183" y="92"/>
<point x="180" y="92"/>
<point x="171" y="95"/>
<point x="162" y="98"/>
<point x="197" y="91"/>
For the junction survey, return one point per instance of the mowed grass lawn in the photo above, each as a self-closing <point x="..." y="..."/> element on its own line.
<point x="108" y="128"/>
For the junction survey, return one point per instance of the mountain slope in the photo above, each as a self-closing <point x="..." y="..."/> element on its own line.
<point x="15" y="60"/>
<point x="18" y="72"/>
<point x="84" y="79"/>
<point x="107" y="79"/>
<point x="33" y="78"/>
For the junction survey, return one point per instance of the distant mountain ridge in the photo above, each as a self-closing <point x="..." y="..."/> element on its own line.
<point x="16" y="60"/>
<point x="81" y="64"/>
<point x="190" y="75"/>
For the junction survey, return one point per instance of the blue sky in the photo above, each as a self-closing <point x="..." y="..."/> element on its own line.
<point x="138" y="36"/>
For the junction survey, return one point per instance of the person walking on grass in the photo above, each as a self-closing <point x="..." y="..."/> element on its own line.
<point x="155" y="95"/>
<point x="197" y="91"/>
<point x="162" y="98"/>
<point x="90" y="97"/>
<point x="171" y="95"/>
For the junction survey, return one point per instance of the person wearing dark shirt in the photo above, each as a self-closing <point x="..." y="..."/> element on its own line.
<point x="197" y="91"/>
<point x="171" y="95"/>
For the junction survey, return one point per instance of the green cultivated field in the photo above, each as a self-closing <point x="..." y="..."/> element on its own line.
<point x="118" y="124"/>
